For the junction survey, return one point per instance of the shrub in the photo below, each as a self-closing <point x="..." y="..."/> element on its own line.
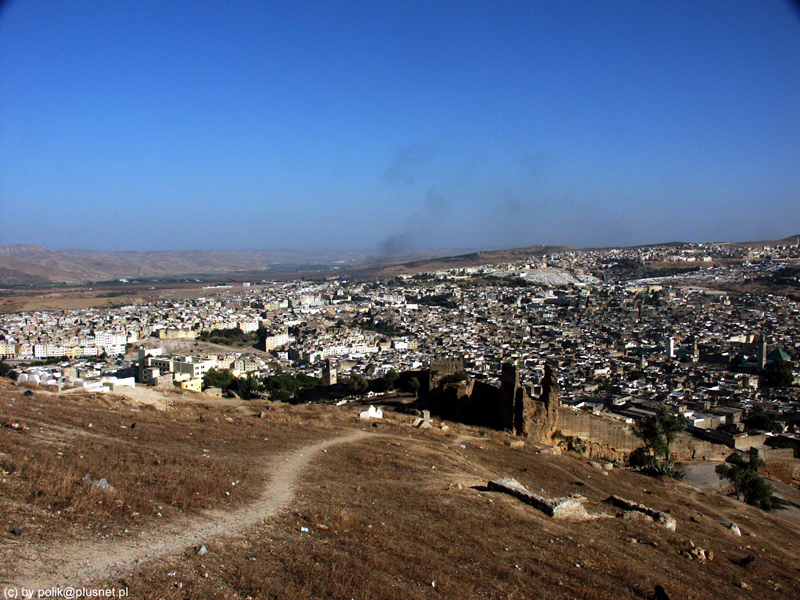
<point x="641" y="460"/>
<point x="575" y="444"/>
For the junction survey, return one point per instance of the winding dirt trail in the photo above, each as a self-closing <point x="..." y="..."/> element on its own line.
<point x="81" y="563"/>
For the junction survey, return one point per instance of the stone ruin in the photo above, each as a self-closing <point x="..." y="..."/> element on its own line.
<point x="512" y="406"/>
<point x="441" y="368"/>
<point x="527" y="416"/>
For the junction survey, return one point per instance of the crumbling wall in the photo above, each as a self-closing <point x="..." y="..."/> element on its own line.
<point x="508" y="407"/>
<point x="441" y="368"/>
<point x="511" y="397"/>
<point x="538" y="418"/>
<point x="618" y="438"/>
<point x="485" y="406"/>
<point x="688" y="447"/>
<point x="601" y="430"/>
<point x="779" y="463"/>
<point x="781" y="470"/>
<point x="453" y="402"/>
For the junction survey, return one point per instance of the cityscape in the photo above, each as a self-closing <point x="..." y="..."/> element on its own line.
<point x="620" y="347"/>
<point x="400" y="300"/>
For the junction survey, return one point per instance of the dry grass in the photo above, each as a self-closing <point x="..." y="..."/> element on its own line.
<point x="383" y="523"/>
<point x="383" y="518"/>
<point x="159" y="463"/>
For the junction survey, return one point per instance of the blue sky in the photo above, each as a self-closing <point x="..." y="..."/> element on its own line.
<point x="394" y="126"/>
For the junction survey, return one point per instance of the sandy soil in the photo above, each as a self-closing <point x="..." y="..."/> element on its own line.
<point x="145" y="395"/>
<point x="702" y="475"/>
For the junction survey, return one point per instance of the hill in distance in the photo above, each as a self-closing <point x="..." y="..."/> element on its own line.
<point x="30" y="265"/>
<point x="24" y="264"/>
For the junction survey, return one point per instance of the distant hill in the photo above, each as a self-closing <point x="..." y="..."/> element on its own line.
<point x="22" y="250"/>
<point x="474" y="259"/>
<point x="27" y="264"/>
<point x="788" y="241"/>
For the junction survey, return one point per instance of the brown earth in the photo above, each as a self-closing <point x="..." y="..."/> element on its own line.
<point x="27" y="265"/>
<point x="328" y="506"/>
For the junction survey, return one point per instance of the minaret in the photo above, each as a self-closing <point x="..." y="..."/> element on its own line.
<point x="329" y="373"/>
<point x="761" y="352"/>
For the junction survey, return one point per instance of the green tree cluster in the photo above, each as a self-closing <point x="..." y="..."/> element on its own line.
<point x="234" y="335"/>
<point x="760" y="418"/>
<point x="379" y="326"/>
<point x="748" y="485"/>
<point x="443" y="300"/>
<point x="5" y="370"/>
<point x="245" y="387"/>
<point x="281" y="386"/>
<point x="357" y="384"/>
<point x="387" y="382"/>
<point x="778" y="374"/>
<point x="218" y="378"/>
<point x="658" y="432"/>
<point x="290" y="383"/>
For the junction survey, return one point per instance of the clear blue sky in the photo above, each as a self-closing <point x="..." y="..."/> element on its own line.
<point x="394" y="125"/>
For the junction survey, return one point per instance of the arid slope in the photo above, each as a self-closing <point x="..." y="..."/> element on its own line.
<point x="389" y="512"/>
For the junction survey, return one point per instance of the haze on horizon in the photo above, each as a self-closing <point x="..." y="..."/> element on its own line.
<point x="397" y="126"/>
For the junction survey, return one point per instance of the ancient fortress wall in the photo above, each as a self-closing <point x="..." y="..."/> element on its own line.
<point x="596" y="429"/>
<point x="614" y="438"/>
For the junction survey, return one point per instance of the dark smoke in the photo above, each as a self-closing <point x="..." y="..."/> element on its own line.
<point x="429" y="219"/>
<point x="407" y="161"/>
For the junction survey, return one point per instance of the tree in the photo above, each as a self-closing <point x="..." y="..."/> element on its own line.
<point x="659" y="431"/>
<point x="221" y="379"/>
<point x="414" y="384"/>
<point x="759" y="418"/>
<point x="357" y="384"/>
<point x="778" y="374"/>
<point x="390" y="378"/>
<point x="288" y="383"/>
<point x="249" y="387"/>
<point x="281" y="395"/>
<point x="5" y="370"/>
<point x="747" y="483"/>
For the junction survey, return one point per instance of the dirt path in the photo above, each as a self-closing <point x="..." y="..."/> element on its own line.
<point x="81" y="563"/>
